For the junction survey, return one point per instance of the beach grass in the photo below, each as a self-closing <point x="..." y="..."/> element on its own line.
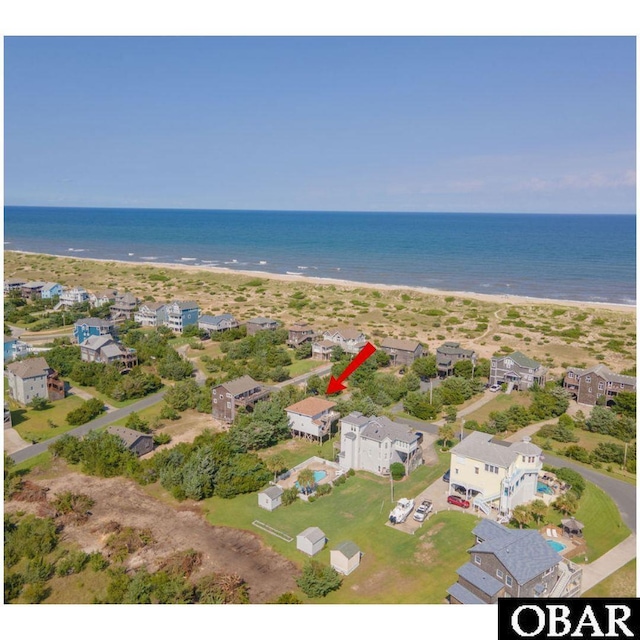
<point x="556" y="333"/>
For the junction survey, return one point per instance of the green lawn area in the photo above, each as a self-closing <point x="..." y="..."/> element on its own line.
<point x="102" y="396"/>
<point x="420" y="567"/>
<point x="620" y="584"/>
<point x="603" y="526"/>
<point x="42" y="460"/>
<point x="33" y="425"/>
<point x="501" y="402"/>
<point x="298" y="367"/>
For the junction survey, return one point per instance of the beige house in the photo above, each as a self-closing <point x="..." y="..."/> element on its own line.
<point x="401" y="351"/>
<point x="312" y="418"/>
<point x="345" y="558"/>
<point x="350" y="340"/>
<point x="495" y="474"/>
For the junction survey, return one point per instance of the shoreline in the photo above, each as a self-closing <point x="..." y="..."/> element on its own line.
<point x="485" y="297"/>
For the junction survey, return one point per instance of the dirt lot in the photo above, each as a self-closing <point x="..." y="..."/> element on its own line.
<point x="174" y="529"/>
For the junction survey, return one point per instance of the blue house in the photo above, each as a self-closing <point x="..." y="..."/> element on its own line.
<point x="86" y="327"/>
<point x="178" y="315"/>
<point x="51" y="289"/>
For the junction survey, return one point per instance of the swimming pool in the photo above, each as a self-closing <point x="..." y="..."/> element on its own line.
<point x="556" y="546"/>
<point x="317" y="476"/>
<point x="544" y="488"/>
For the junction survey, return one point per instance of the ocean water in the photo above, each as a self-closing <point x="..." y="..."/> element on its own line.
<point x="564" y="257"/>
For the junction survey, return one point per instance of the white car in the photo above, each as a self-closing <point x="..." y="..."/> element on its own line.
<point x="494" y="387"/>
<point x="423" y="511"/>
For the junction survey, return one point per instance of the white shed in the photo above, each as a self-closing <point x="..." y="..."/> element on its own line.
<point x="270" y="498"/>
<point x="311" y="541"/>
<point x="345" y="557"/>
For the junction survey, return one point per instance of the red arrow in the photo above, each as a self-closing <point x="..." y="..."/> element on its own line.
<point x="336" y="385"/>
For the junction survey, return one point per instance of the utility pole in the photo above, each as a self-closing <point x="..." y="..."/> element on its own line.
<point x="624" y="460"/>
<point x="430" y="391"/>
<point x="391" y="479"/>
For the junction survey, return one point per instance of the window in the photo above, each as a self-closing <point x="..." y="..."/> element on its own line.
<point x="600" y="386"/>
<point x="588" y="379"/>
<point x="570" y="374"/>
<point x="477" y="559"/>
<point x="477" y="470"/>
<point x="499" y="574"/>
<point x="509" y="581"/>
<point x="228" y="405"/>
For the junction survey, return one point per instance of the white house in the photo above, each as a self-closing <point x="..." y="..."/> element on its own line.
<point x="270" y="498"/>
<point x="494" y="473"/>
<point x="375" y="443"/>
<point x="350" y="340"/>
<point x="311" y="418"/>
<point x="311" y="541"/>
<point x="345" y="557"/>
<point x="73" y="295"/>
<point x="147" y="313"/>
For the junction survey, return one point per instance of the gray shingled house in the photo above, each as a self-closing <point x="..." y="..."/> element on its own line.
<point x="375" y="443"/>
<point x="517" y="370"/>
<point x="34" y="378"/>
<point x="448" y="354"/>
<point x="241" y="392"/>
<point x="401" y="351"/>
<point x="215" y="324"/>
<point x="139" y="443"/>
<point x="516" y="563"/>
<point x="260" y="324"/>
<point x="587" y="385"/>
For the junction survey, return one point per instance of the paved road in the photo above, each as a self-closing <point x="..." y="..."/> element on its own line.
<point x="319" y="371"/>
<point x="102" y="421"/>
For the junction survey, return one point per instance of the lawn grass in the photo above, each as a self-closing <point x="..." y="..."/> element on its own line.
<point x="420" y="567"/>
<point x="603" y="526"/>
<point x="42" y="461"/>
<point x="620" y="584"/>
<point x="33" y="425"/>
<point x="299" y="367"/>
<point x="501" y="402"/>
<point x="118" y="404"/>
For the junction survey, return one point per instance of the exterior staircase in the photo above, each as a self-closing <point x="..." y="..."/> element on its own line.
<point x="509" y="387"/>
<point x="483" y="503"/>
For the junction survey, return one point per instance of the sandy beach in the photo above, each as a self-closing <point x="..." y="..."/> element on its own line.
<point x="493" y="298"/>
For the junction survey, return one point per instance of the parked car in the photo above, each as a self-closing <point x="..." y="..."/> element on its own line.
<point x="447" y="475"/>
<point x="459" y="502"/>
<point x="494" y="387"/>
<point x="425" y="508"/>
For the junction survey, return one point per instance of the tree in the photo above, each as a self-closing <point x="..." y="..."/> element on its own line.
<point x="397" y="470"/>
<point x="450" y="415"/>
<point x="464" y="369"/>
<point x="135" y="422"/>
<point x="425" y="367"/>
<point x="315" y="384"/>
<point x="306" y="480"/>
<point x="521" y="515"/>
<point x="275" y="464"/>
<point x="567" y="503"/>
<point x="446" y="434"/>
<point x="538" y="510"/>
<point x="318" y="580"/>
<point x="303" y="351"/>
<point x="39" y="404"/>
<point x="85" y="412"/>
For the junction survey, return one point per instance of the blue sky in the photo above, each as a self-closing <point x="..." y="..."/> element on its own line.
<point x="506" y="124"/>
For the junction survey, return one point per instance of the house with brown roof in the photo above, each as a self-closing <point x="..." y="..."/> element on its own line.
<point x="517" y="370"/>
<point x="587" y="385"/>
<point x="299" y="333"/>
<point x="312" y="418"/>
<point x="448" y="354"/>
<point x="402" y="351"/>
<point x="349" y="340"/>
<point x="139" y="443"/>
<point x="34" y="378"/>
<point x="241" y="392"/>
<point x="513" y="563"/>
<point x="106" y="350"/>
<point x="260" y="324"/>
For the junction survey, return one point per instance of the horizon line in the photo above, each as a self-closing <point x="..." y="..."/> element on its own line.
<point x="537" y="213"/>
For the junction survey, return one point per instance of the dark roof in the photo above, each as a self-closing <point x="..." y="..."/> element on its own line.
<point x="480" y="579"/>
<point x="216" y="319"/>
<point x="464" y="595"/>
<point x="128" y="436"/>
<point x="573" y="524"/>
<point x="523" y="552"/>
<point x="452" y="349"/>
<point x="348" y="549"/>
<point x="261" y="320"/>
<point x="184" y="304"/>
<point x="523" y="361"/>
<point x="379" y="428"/>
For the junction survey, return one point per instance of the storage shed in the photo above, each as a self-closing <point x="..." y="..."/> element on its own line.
<point x="345" y="557"/>
<point x="270" y="498"/>
<point x="311" y="541"/>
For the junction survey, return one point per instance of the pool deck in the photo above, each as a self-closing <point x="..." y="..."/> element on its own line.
<point x="315" y="464"/>
<point x="574" y="545"/>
